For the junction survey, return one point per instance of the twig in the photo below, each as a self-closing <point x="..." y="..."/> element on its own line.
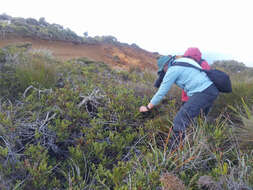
<point x="40" y="91"/>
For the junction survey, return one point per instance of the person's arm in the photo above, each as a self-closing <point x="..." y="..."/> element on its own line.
<point x="169" y="79"/>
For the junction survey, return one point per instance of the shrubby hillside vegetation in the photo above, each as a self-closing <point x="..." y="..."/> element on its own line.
<point x="76" y="125"/>
<point x="64" y="44"/>
<point x="41" y="29"/>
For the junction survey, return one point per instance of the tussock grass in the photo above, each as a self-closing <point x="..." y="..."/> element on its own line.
<point x="23" y="69"/>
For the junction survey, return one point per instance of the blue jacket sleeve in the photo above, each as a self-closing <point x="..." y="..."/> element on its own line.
<point x="168" y="80"/>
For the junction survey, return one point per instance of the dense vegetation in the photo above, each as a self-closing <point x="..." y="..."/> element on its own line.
<point x="76" y="125"/>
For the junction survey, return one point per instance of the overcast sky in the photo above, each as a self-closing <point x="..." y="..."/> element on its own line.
<point x="165" y="26"/>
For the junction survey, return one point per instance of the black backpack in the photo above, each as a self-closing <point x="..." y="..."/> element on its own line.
<point x="219" y="78"/>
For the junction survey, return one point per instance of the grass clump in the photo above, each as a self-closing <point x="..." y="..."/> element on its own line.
<point x="23" y="69"/>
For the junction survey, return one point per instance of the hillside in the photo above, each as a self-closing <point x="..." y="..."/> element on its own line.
<point x="71" y="123"/>
<point x="76" y="125"/>
<point x="65" y="44"/>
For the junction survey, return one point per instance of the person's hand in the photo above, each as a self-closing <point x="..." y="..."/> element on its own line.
<point x="144" y="109"/>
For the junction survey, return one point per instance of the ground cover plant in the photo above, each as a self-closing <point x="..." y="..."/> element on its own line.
<point x="76" y="125"/>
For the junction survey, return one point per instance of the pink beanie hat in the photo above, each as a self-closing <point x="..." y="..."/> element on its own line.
<point x="193" y="53"/>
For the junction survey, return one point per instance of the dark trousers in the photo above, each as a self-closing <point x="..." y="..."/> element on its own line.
<point x="199" y="102"/>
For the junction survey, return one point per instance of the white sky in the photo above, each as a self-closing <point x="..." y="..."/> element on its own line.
<point x="164" y="26"/>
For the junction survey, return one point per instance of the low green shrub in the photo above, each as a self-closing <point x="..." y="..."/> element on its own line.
<point x="88" y="133"/>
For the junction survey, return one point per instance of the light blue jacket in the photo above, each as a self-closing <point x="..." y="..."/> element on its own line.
<point x="189" y="79"/>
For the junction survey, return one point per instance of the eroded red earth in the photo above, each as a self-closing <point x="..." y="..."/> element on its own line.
<point x="117" y="56"/>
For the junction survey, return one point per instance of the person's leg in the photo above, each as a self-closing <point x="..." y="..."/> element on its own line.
<point x="183" y="102"/>
<point x="206" y="110"/>
<point x="199" y="101"/>
<point x="213" y="92"/>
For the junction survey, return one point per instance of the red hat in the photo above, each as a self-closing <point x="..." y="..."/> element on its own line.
<point x="193" y="53"/>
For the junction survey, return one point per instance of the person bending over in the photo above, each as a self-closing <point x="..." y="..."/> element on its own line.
<point x="198" y="87"/>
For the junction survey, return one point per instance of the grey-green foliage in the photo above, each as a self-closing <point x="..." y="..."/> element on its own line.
<point x="230" y="66"/>
<point x="42" y="29"/>
<point x="88" y="133"/>
<point x="32" y="28"/>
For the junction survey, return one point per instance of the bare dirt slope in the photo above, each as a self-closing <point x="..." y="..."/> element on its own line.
<point x="116" y="55"/>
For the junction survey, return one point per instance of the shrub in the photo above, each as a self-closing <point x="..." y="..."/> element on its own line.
<point x="22" y="70"/>
<point x="36" y="71"/>
<point x="89" y="134"/>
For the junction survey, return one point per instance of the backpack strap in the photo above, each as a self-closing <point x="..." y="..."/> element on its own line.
<point x="199" y="62"/>
<point x="184" y="64"/>
<point x="219" y="78"/>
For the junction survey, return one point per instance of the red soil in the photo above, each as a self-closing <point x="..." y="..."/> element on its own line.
<point x="117" y="56"/>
